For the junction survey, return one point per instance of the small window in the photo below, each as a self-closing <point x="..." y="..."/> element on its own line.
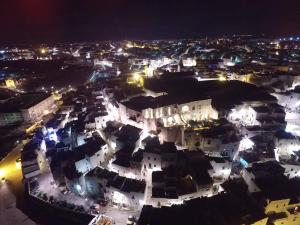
<point x="154" y="159"/>
<point x="208" y="142"/>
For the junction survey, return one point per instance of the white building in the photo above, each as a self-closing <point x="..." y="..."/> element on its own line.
<point x="243" y="114"/>
<point x="189" y="62"/>
<point x="108" y="185"/>
<point x="221" y="169"/>
<point x="149" y="111"/>
<point x="101" y="120"/>
<point x="37" y="107"/>
<point x="286" y="144"/>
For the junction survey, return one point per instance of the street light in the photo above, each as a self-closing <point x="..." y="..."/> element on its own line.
<point x="136" y="77"/>
<point x="222" y="78"/>
<point x="2" y="173"/>
<point x="18" y="163"/>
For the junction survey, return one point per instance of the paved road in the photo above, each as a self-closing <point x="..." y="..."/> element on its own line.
<point x="9" y="213"/>
<point x="120" y="216"/>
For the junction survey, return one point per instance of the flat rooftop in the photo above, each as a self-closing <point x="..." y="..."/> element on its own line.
<point x="22" y="101"/>
<point x="224" y="94"/>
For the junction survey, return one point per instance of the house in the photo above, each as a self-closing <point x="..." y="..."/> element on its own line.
<point x="121" y="162"/>
<point x="96" y="181"/>
<point x="74" y="179"/>
<point x="262" y="175"/>
<point x="26" y="107"/>
<point x="221" y="139"/>
<point x="286" y="145"/>
<point x="31" y="165"/>
<point x="157" y="156"/>
<point x="127" y="192"/>
<point x="104" y="184"/>
<point x="78" y="161"/>
<point x="101" y="120"/>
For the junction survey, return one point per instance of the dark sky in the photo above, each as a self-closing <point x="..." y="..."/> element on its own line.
<point x="76" y="20"/>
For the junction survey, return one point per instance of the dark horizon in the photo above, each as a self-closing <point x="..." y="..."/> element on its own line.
<point x="32" y="21"/>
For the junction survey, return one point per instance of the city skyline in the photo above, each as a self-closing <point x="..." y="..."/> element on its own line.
<point x="149" y="112"/>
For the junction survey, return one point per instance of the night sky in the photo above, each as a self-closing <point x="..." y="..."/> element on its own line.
<point x="80" y="20"/>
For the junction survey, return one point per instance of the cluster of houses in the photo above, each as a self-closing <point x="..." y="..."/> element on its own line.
<point x="163" y="143"/>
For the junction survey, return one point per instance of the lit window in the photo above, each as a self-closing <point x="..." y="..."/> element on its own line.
<point x="185" y="108"/>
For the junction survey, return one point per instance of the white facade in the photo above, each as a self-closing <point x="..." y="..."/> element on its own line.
<point x="221" y="170"/>
<point x="103" y="62"/>
<point x="83" y="165"/>
<point x="100" y="122"/>
<point x="189" y="62"/>
<point x="289" y="100"/>
<point x="36" y="112"/>
<point x="286" y="147"/>
<point x="244" y="115"/>
<point x="291" y="171"/>
<point x="99" y="157"/>
<point x="131" y="199"/>
<point x="249" y="180"/>
<point x="151" y="162"/>
<point x="180" y="114"/>
<point x="90" y="162"/>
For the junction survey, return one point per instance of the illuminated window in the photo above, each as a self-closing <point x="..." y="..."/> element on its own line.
<point x="185" y="108"/>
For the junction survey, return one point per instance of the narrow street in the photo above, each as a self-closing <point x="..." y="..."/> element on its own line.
<point x="9" y="189"/>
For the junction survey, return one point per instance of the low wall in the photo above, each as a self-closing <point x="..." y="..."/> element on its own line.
<point x="55" y="214"/>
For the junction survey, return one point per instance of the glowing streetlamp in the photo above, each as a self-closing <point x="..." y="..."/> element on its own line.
<point x="222" y="78"/>
<point x="18" y="163"/>
<point x="2" y="173"/>
<point x="136" y="77"/>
